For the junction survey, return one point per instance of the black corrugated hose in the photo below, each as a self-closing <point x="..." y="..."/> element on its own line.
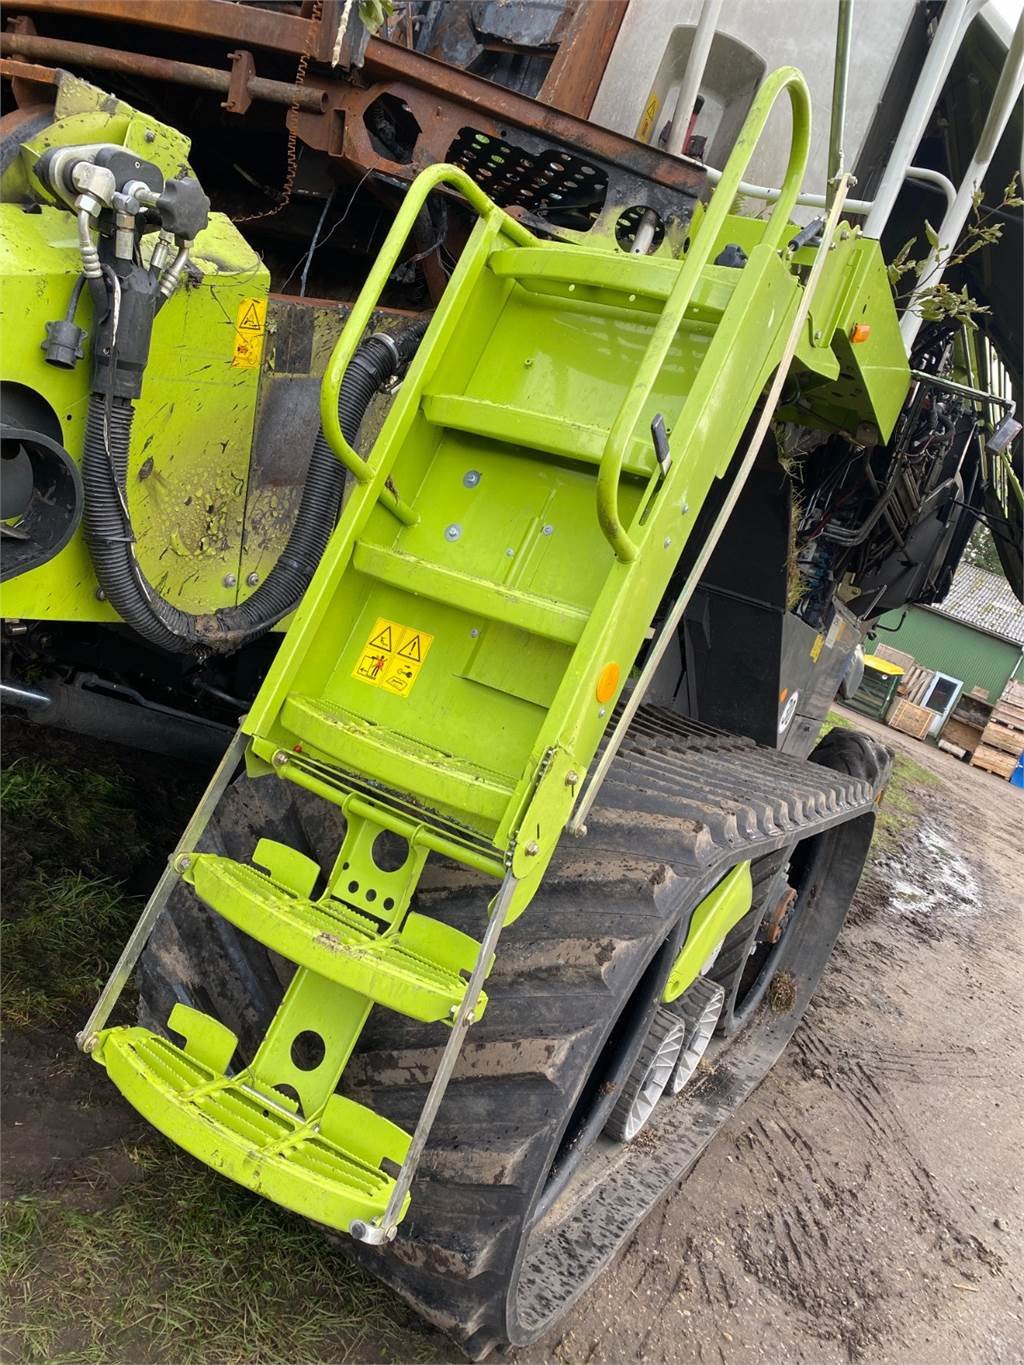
<point x="109" y="535"/>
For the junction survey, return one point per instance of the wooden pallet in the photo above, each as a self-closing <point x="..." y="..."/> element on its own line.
<point x="1007" y="738"/>
<point x="910" y="719"/>
<point x="994" y="761"/>
<point x="1008" y="713"/>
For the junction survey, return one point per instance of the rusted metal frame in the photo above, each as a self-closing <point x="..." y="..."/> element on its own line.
<point x="32" y="87"/>
<point x="244" y="24"/>
<point x="478" y="98"/>
<point x="309" y="98"/>
<point x="578" y="66"/>
<point x="441" y="119"/>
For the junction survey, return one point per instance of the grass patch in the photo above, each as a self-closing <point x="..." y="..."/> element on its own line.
<point x="189" y="1269"/>
<point x="834" y="721"/>
<point x="86" y="828"/>
<point x="899" y="810"/>
<point x="85" y="812"/>
<point x="60" y="943"/>
<point x="65" y="920"/>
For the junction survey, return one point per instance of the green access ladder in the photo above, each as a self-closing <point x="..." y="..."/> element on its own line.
<point x="453" y="666"/>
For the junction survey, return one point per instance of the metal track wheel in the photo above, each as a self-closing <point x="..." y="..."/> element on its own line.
<point x="698" y="1007"/>
<point x="651" y="1073"/>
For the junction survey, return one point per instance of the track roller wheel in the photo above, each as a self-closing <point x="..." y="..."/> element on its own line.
<point x="652" y="1071"/>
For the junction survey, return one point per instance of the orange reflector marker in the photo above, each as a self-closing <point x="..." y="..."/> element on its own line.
<point x="784" y="694"/>
<point x="861" y="331"/>
<point x="607" y="682"/>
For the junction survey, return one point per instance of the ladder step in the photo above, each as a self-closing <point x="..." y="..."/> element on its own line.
<point x="534" y="430"/>
<point x="641" y="283"/>
<point x="416" y="971"/>
<point x="483" y="597"/>
<point x="326" y="1167"/>
<point x="398" y="761"/>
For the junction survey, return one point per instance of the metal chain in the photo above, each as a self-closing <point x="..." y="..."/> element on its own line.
<point x="291" y="154"/>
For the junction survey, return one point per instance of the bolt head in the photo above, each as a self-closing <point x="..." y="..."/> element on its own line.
<point x="252" y="579"/>
<point x="667" y="542"/>
<point x="580" y="831"/>
<point x="357" y="1230"/>
<point x="182" y="863"/>
<point x="280" y="759"/>
<point x="230" y="580"/>
<point x="100" y="595"/>
<point x="453" y="531"/>
<point x="391" y="1234"/>
<point x="532" y="848"/>
<point x="90" y="1045"/>
<point x="471" y="478"/>
<point x="547" y="530"/>
<point x="149" y="135"/>
<point x="572" y="778"/>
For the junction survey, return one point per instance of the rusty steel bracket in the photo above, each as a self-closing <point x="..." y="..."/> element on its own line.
<point x="243" y="70"/>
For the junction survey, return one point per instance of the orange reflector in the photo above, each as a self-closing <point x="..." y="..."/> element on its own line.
<point x="861" y="331"/>
<point x="607" y="682"/>
<point x="784" y="694"/>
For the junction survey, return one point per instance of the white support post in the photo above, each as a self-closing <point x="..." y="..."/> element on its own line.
<point x="1007" y="92"/>
<point x="957" y="16"/>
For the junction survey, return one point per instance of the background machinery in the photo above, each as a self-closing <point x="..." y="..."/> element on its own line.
<point x="530" y="666"/>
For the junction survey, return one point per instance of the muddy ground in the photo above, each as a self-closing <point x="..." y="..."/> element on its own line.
<point x="867" y="1204"/>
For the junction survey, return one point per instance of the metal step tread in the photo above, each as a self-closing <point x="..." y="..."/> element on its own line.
<point x="416" y="970"/>
<point x="327" y="1168"/>
<point x="397" y="760"/>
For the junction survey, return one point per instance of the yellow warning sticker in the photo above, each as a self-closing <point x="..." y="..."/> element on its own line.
<point x="817" y="647"/>
<point x="250" y="324"/>
<point x="392" y="656"/>
<point x="643" y="129"/>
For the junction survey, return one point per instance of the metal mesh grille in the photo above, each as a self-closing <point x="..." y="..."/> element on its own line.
<point x="554" y="184"/>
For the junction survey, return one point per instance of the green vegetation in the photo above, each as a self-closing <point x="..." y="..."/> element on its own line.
<point x="189" y="1269"/>
<point x="834" y="721"/>
<point x="63" y="919"/>
<point x="898" y="811"/>
<point x="60" y="945"/>
<point x="84" y="836"/>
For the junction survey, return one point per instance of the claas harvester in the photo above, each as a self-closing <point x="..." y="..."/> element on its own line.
<point x="525" y="812"/>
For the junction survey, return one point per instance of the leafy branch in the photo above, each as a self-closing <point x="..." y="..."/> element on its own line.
<point x="933" y="302"/>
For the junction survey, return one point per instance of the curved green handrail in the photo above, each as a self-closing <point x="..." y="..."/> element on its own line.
<point x="364" y="470"/>
<point x="786" y="78"/>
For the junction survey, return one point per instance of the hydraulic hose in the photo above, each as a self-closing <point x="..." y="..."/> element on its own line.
<point x="111" y="542"/>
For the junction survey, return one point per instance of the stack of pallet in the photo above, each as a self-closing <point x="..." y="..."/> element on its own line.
<point x="1002" y="740"/>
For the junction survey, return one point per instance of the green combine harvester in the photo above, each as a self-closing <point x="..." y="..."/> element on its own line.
<point x="533" y="811"/>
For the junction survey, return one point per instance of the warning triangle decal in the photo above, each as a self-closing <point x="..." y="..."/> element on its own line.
<point x="251" y="319"/>
<point x="411" y="650"/>
<point x="383" y="640"/>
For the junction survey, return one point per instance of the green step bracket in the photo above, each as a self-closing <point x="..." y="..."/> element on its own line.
<point x="458" y="655"/>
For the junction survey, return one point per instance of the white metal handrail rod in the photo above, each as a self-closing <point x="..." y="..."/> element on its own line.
<point x="692" y="76"/>
<point x="956" y="18"/>
<point x="1004" y="100"/>
<point x="856" y="206"/>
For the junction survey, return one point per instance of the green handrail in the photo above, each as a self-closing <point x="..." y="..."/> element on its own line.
<point x="786" y="78"/>
<point x="364" y="470"/>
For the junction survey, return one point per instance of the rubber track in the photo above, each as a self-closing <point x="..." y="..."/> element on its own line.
<point x="680" y="806"/>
